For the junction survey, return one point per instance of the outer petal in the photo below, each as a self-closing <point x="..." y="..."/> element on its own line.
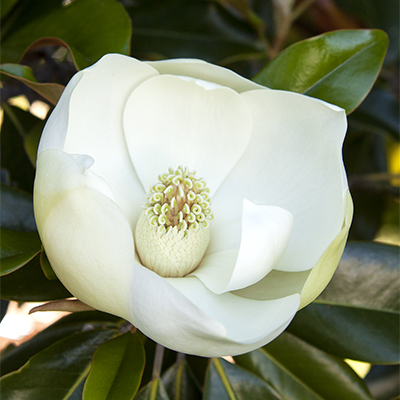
<point x="169" y="121"/>
<point x="293" y="161"/>
<point x="265" y="236"/>
<point x="208" y="72"/>
<point x="88" y="120"/>
<point x="86" y="237"/>
<point x="193" y="320"/>
<point x="309" y="284"/>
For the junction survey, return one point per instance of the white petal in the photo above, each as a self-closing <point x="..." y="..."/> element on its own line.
<point x="86" y="237"/>
<point x="188" y="318"/>
<point x="94" y="110"/>
<point x="309" y="284"/>
<point x="293" y="161"/>
<point x="169" y="122"/>
<point x="266" y="232"/>
<point x="208" y="72"/>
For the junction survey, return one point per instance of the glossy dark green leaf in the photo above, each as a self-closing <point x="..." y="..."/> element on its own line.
<point x="198" y="29"/>
<point x="55" y="372"/>
<point x="117" y="369"/>
<point x="28" y="283"/>
<point x="357" y="316"/>
<point x="16" y="126"/>
<point x="180" y="384"/>
<point x="14" y="358"/>
<point x="154" y="390"/>
<point x="6" y="6"/>
<point x="298" y="370"/>
<point x="31" y="143"/>
<point x="16" y="210"/>
<point x="17" y="248"/>
<point x="105" y="28"/>
<point x="339" y="67"/>
<point x="46" y="266"/>
<point x="226" y="381"/>
<point x="50" y="91"/>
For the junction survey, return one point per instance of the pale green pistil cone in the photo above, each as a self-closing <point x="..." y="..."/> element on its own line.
<point x="173" y="231"/>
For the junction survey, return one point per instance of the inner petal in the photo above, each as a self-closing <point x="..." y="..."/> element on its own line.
<point x="266" y="232"/>
<point x="171" y="121"/>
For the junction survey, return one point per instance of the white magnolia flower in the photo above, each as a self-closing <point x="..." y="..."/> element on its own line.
<point x="268" y="169"/>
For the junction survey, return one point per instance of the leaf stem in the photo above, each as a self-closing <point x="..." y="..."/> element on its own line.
<point x="158" y="359"/>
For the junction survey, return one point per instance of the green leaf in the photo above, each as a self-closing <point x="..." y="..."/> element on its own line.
<point x="73" y="323"/>
<point x="56" y="372"/>
<point x="198" y="29"/>
<point x="16" y="210"/>
<point x="14" y="160"/>
<point x="154" y="390"/>
<point x="31" y="143"/>
<point x="339" y="67"/>
<point x="298" y="370"/>
<point x="6" y="6"/>
<point x="226" y="381"/>
<point x="28" y="283"/>
<point x="104" y="29"/>
<point x="46" y="266"/>
<point x="50" y="91"/>
<point x="357" y="316"/>
<point x="180" y="383"/>
<point x="16" y="249"/>
<point x="117" y="369"/>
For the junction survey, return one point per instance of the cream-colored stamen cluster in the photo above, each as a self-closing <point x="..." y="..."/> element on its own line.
<point x="172" y="233"/>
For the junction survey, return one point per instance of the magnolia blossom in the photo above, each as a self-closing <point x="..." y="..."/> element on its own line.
<point x="203" y="208"/>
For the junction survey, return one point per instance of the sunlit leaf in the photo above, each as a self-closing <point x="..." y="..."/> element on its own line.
<point x="117" y="369"/>
<point x="339" y="67"/>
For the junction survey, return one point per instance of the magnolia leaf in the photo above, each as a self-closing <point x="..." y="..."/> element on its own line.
<point x="105" y="29"/>
<point x="30" y="284"/>
<point x="46" y="266"/>
<point x="16" y="210"/>
<point x="117" y="369"/>
<point x="357" y="316"/>
<point x="62" y="305"/>
<point x="17" y="249"/>
<point x="56" y="372"/>
<point x="339" y="67"/>
<point x="16" y="357"/>
<point x="180" y="384"/>
<point x="298" y="370"/>
<point x="50" y="91"/>
<point x="226" y="381"/>
<point x="154" y="390"/>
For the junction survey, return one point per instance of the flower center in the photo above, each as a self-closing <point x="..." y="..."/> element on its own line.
<point x="173" y="231"/>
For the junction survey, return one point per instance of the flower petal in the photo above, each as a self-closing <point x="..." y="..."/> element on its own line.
<point x="208" y="72"/>
<point x="266" y="232"/>
<point x="86" y="237"/>
<point x="309" y="284"/>
<point x="293" y="161"/>
<point x="91" y="123"/>
<point x="169" y="121"/>
<point x="193" y="320"/>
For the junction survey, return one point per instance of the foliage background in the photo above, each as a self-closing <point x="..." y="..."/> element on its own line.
<point x="44" y="42"/>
